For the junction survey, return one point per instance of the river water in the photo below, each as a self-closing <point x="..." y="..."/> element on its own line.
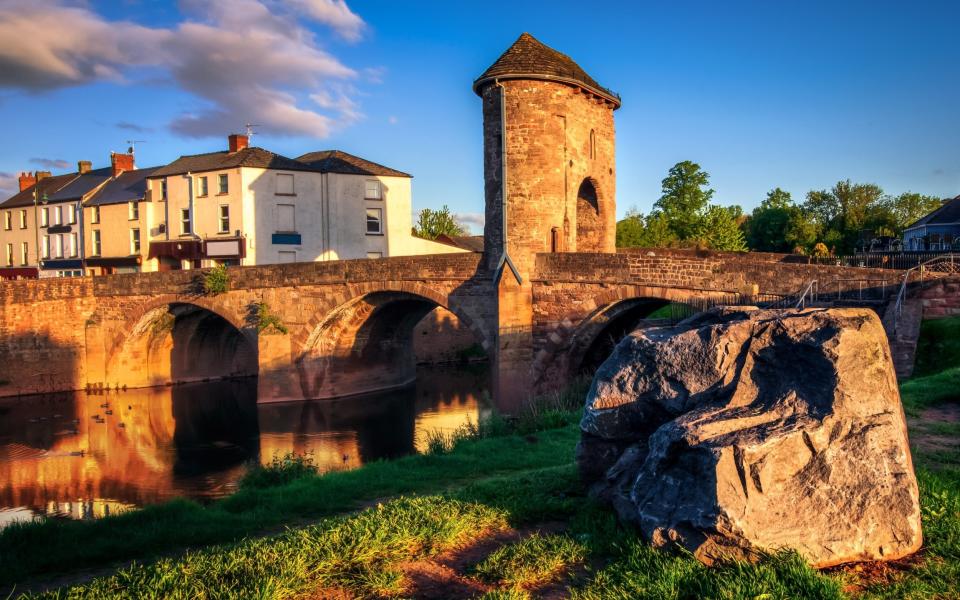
<point x="84" y="455"/>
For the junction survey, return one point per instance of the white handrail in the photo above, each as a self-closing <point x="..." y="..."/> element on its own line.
<point x="810" y="290"/>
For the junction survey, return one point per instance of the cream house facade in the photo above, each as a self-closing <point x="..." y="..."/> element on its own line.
<point x="249" y="206"/>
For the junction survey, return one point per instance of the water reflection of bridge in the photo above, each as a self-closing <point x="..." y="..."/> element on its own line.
<point x="195" y="440"/>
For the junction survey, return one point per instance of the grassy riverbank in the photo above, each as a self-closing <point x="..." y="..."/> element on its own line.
<point x="497" y="512"/>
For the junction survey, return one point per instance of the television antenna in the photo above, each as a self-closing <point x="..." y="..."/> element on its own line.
<point x="250" y="130"/>
<point x="133" y="145"/>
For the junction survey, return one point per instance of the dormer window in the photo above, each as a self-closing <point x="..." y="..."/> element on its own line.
<point x="372" y="190"/>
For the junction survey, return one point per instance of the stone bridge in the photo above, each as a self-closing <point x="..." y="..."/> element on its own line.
<point x="349" y="324"/>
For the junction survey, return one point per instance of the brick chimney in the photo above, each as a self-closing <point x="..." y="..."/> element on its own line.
<point x="238" y="141"/>
<point x="120" y="163"/>
<point x="26" y="180"/>
<point x="83" y="166"/>
<point x="41" y="175"/>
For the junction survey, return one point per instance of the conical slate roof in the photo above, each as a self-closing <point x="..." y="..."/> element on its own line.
<point x="528" y="58"/>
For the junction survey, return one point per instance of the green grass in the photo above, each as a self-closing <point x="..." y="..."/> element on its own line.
<point x="532" y="561"/>
<point x="487" y="476"/>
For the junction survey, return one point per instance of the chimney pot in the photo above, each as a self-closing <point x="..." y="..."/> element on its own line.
<point x="238" y="141"/>
<point x="26" y="180"/>
<point x="83" y="166"/>
<point x="120" y="163"/>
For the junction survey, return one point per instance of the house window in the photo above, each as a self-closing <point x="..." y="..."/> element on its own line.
<point x="185" y="221"/>
<point x="44" y="216"/>
<point x="374" y="254"/>
<point x="286" y="217"/>
<point x="288" y="256"/>
<point x="224" y="219"/>
<point x="163" y="189"/>
<point x="45" y="247"/>
<point x="372" y="191"/>
<point x="24" y="253"/>
<point x="23" y="219"/>
<point x="57" y="215"/>
<point x="74" y="246"/>
<point x="285" y="184"/>
<point x="374" y="221"/>
<point x="135" y="241"/>
<point x="7" y="220"/>
<point x="71" y="213"/>
<point x="222" y="182"/>
<point x="57" y="249"/>
<point x="95" y="242"/>
<point x="133" y="211"/>
<point x="95" y="215"/>
<point x="9" y="255"/>
<point x="204" y="188"/>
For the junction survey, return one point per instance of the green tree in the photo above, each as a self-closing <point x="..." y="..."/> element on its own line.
<point x="909" y="206"/>
<point x="769" y="223"/>
<point x="842" y="212"/>
<point x="685" y="198"/>
<point x="432" y="223"/>
<point x="718" y="229"/>
<point x="637" y="231"/>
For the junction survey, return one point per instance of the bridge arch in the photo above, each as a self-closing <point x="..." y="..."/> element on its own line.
<point x="577" y="347"/>
<point x="172" y="339"/>
<point x="365" y="343"/>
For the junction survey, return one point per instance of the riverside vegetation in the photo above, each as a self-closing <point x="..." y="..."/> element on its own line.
<point x="493" y="511"/>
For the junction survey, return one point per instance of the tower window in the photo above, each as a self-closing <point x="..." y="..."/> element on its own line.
<point x="593" y="144"/>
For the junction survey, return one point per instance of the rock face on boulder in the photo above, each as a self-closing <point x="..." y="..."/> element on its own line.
<point x="743" y="430"/>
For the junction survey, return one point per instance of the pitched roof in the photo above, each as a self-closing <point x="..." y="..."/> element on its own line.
<point x="338" y="161"/>
<point x="473" y="243"/>
<point x="528" y="58"/>
<point x="46" y="186"/>
<point x="128" y="187"/>
<point x="948" y="212"/>
<point x="81" y="185"/>
<point x="215" y="161"/>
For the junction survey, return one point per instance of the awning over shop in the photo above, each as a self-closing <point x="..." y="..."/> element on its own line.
<point x="118" y="261"/>
<point x="179" y="249"/>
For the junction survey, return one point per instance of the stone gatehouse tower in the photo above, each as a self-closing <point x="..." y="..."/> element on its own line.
<point x="554" y="124"/>
<point x="550" y="184"/>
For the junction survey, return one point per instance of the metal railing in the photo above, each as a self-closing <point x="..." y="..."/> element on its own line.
<point x="948" y="264"/>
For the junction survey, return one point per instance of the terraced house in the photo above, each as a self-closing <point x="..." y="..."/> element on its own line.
<point x="241" y="206"/>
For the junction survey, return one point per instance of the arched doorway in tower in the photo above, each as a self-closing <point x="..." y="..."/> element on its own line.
<point x="589" y="222"/>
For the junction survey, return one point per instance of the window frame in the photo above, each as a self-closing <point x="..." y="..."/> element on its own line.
<point x="45" y="216"/>
<point x="24" y="253"/>
<point x="94" y="215"/>
<point x="135" y="241"/>
<point x="45" y="247"/>
<point x="186" y="222"/>
<point x="74" y="245"/>
<point x="379" y="221"/>
<point x="223" y="221"/>
<point x="9" y="254"/>
<point x="7" y="220"/>
<point x="163" y="188"/>
<point x="96" y="243"/>
<point x="71" y="214"/>
<point x="223" y="184"/>
<point x="57" y="215"/>
<point x="133" y="210"/>
<point x="23" y="218"/>
<point x="203" y="187"/>
<point x="366" y="189"/>
<point x="293" y="184"/>
<point x="57" y="250"/>
<point x="371" y="253"/>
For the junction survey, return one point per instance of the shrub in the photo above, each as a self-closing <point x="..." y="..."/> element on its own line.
<point x="281" y="469"/>
<point x="267" y="320"/>
<point x="216" y="280"/>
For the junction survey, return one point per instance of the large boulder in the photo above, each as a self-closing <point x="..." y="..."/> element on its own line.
<point x="745" y="430"/>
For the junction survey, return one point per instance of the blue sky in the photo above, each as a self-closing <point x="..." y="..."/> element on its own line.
<point x="761" y="94"/>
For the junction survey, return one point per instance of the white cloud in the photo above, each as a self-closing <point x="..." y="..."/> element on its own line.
<point x="246" y="60"/>
<point x="472" y="220"/>
<point x="334" y="13"/>
<point x="9" y="185"/>
<point x="50" y="163"/>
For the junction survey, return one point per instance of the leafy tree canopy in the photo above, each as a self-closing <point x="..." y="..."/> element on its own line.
<point x="685" y="198"/>
<point x="432" y="223"/>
